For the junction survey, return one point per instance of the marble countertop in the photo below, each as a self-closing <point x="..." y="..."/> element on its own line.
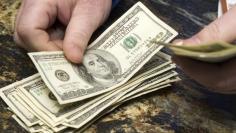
<point x="184" y="107"/>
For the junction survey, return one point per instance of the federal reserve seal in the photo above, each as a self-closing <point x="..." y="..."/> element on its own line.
<point x="62" y="75"/>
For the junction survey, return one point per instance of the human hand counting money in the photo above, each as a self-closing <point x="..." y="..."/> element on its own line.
<point x="219" y="77"/>
<point x="35" y="28"/>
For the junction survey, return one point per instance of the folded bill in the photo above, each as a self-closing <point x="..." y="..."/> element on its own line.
<point x="212" y="52"/>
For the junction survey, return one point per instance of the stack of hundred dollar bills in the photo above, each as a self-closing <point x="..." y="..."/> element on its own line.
<point x="122" y="64"/>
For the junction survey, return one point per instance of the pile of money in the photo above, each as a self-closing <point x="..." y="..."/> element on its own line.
<point x="213" y="52"/>
<point x="122" y="64"/>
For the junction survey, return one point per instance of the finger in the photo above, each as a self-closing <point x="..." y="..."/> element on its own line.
<point x="222" y="29"/>
<point x="18" y="15"/>
<point x="36" y="17"/>
<point x="56" y="34"/>
<point x="85" y="19"/>
<point x="19" y="12"/>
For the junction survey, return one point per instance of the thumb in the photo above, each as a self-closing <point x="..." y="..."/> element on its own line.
<point x="85" y="19"/>
<point x="222" y="29"/>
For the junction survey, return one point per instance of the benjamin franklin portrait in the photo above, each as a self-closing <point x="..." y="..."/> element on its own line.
<point x="100" y="68"/>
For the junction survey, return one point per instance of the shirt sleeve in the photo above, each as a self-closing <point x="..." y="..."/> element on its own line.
<point x="114" y="3"/>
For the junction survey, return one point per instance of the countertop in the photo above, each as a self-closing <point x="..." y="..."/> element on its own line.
<point x="185" y="107"/>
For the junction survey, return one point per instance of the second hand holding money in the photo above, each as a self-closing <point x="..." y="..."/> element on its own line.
<point x="214" y="52"/>
<point x="218" y="77"/>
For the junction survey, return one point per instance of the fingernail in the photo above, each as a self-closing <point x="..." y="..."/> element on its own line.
<point x="178" y="42"/>
<point x="75" y="54"/>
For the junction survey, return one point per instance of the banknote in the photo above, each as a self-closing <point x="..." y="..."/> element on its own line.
<point x="38" y="89"/>
<point x="8" y="95"/>
<point x="110" y="61"/>
<point x="87" y="115"/>
<point x="146" y="86"/>
<point x="37" y="98"/>
<point x="43" y="117"/>
<point x="132" y="83"/>
<point x="39" y="93"/>
<point x="92" y="112"/>
<point x="47" y="123"/>
<point x="212" y="52"/>
<point x="33" y="129"/>
<point x="42" y="98"/>
<point x="148" y="89"/>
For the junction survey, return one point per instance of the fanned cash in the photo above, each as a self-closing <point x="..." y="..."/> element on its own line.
<point x="212" y="52"/>
<point x="109" y="61"/>
<point x="122" y="64"/>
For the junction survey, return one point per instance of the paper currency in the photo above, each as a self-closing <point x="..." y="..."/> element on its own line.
<point x="8" y="95"/>
<point x="95" y="110"/>
<point x="35" y="84"/>
<point x="42" y="98"/>
<point x="82" y="115"/>
<point x="109" y="61"/>
<point x="32" y="129"/>
<point x="212" y="52"/>
<point x="143" y="75"/>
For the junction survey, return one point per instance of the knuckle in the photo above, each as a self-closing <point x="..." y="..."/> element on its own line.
<point x="215" y="30"/>
<point x="22" y="31"/>
<point x="210" y="33"/>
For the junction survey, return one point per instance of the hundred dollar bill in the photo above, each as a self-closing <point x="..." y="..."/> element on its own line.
<point x="47" y="123"/>
<point x="33" y="129"/>
<point x="95" y="110"/>
<point x="110" y="61"/>
<point x="155" y="81"/>
<point x="33" y="95"/>
<point x="41" y="98"/>
<point x="8" y="94"/>
<point x="147" y="89"/>
<point x="38" y="97"/>
<point x="87" y="115"/>
<point x="38" y="114"/>
<point x="137" y="80"/>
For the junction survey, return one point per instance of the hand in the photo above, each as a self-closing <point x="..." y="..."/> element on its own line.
<point x="35" y="25"/>
<point x="218" y="77"/>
